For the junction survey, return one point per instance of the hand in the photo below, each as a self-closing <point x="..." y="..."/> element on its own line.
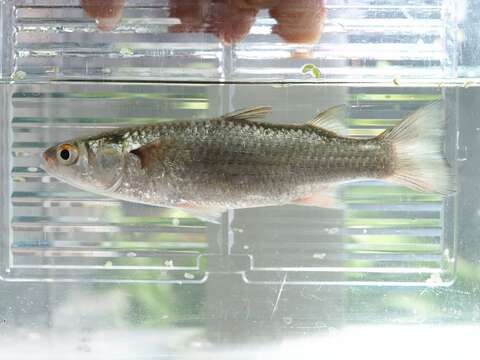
<point x="223" y="18"/>
<point x="107" y="13"/>
<point x="299" y="21"/>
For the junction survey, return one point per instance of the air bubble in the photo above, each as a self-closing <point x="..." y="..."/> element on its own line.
<point x="188" y="276"/>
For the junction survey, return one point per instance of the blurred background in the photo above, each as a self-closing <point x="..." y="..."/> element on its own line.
<point x="394" y="273"/>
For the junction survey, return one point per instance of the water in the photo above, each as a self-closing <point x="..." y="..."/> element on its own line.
<point x="386" y="234"/>
<point x="94" y="277"/>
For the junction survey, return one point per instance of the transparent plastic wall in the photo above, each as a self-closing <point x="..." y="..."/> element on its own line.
<point x="349" y="41"/>
<point x="87" y="276"/>
<point x="387" y="233"/>
<point x="58" y="56"/>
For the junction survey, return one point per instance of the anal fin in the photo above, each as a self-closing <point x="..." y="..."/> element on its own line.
<point x="324" y="199"/>
<point x="208" y="214"/>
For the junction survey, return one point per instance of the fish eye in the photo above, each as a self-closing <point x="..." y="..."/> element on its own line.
<point x="67" y="154"/>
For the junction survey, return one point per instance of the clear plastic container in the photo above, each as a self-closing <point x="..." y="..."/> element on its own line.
<point x="367" y="41"/>
<point x="90" y="277"/>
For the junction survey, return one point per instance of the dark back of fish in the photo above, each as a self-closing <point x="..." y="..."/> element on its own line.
<point x="241" y="163"/>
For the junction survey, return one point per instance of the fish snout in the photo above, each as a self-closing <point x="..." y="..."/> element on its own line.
<point x="49" y="157"/>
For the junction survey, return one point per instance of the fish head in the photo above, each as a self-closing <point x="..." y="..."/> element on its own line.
<point x="93" y="164"/>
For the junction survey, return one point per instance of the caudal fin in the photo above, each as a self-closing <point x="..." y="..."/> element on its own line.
<point x="418" y="149"/>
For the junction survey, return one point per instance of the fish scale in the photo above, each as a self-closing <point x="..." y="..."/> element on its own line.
<point x="227" y="161"/>
<point x="259" y="160"/>
<point x="236" y="161"/>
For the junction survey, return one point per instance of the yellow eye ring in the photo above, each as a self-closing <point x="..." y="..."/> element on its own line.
<point x="67" y="154"/>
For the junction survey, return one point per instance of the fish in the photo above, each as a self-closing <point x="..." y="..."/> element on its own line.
<point x="239" y="160"/>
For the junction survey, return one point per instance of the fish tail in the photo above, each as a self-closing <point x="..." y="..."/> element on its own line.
<point x="417" y="142"/>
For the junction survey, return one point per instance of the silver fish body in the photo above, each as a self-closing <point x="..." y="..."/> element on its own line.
<point x="234" y="161"/>
<point x="235" y="164"/>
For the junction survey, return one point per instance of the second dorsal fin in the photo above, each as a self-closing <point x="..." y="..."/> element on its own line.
<point x="250" y="113"/>
<point x="332" y="119"/>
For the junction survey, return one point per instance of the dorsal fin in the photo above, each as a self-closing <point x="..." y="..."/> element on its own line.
<point x="332" y="119"/>
<point x="250" y="113"/>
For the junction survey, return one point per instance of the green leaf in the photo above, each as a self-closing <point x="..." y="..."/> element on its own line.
<point x="312" y="69"/>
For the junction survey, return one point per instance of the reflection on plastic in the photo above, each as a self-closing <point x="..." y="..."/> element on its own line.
<point x="107" y="13"/>
<point x="230" y="20"/>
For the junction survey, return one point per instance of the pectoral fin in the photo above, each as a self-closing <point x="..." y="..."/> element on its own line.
<point x="150" y="152"/>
